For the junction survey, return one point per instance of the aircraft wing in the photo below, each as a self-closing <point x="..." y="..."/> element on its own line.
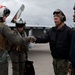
<point x="18" y="14"/>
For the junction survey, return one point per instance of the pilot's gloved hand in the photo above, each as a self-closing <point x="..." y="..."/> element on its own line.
<point x="32" y="39"/>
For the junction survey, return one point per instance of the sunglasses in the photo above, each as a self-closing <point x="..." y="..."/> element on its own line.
<point x="56" y="12"/>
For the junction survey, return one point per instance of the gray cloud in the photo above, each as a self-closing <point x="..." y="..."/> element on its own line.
<point x="40" y="11"/>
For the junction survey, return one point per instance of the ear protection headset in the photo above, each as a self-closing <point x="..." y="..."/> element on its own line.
<point x="60" y="14"/>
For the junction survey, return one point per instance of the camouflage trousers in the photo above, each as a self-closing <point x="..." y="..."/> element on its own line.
<point x="60" y="66"/>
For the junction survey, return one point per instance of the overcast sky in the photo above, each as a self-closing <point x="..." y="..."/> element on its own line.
<point x="40" y="11"/>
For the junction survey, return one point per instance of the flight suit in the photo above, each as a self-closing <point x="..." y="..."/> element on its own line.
<point x="17" y="54"/>
<point x="7" y="38"/>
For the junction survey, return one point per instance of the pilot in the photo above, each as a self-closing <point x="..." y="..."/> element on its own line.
<point x="7" y="38"/>
<point x="18" y="52"/>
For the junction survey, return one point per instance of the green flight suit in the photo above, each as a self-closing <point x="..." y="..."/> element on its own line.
<point x="17" y="55"/>
<point x="7" y="38"/>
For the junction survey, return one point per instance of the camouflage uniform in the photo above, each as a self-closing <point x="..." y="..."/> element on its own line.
<point x="7" y="37"/>
<point x="17" y="55"/>
<point x="60" y="66"/>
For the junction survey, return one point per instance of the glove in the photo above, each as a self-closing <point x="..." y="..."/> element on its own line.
<point x="32" y="39"/>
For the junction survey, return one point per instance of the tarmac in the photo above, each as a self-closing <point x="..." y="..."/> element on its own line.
<point x="41" y="56"/>
<point x="42" y="60"/>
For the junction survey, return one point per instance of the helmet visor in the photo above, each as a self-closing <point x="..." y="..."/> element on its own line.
<point x="20" y="25"/>
<point x="56" y="12"/>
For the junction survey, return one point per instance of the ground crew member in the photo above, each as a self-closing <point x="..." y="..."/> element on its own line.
<point x="73" y="69"/>
<point x="72" y="51"/>
<point x="59" y="38"/>
<point x="17" y="53"/>
<point x="7" y="37"/>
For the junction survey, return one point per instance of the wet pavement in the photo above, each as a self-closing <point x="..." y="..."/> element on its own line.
<point x="41" y="56"/>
